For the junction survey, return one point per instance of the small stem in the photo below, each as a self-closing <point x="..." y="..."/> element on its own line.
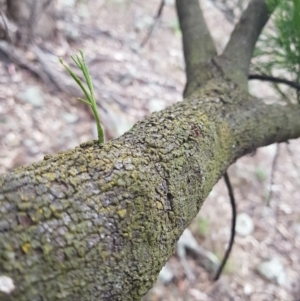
<point x="84" y="101"/>
<point x="272" y="175"/>
<point x="76" y="78"/>
<point x="100" y="130"/>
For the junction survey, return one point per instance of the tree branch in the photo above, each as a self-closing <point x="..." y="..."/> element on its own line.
<point x="237" y="55"/>
<point x="158" y="14"/>
<point x="100" y="221"/>
<point x="277" y="80"/>
<point x="233" y="223"/>
<point x="198" y="45"/>
<point x="7" y="29"/>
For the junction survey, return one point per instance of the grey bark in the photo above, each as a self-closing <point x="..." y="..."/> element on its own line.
<point x="235" y="60"/>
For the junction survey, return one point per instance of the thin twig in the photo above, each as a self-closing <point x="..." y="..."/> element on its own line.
<point x="293" y="162"/>
<point x="275" y="80"/>
<point x="273" y="174"/>
<point x="264" y="293"/>
<point x="156" y="18"/>
<point x="18" y="57"/>
<point x="233" y="223"/>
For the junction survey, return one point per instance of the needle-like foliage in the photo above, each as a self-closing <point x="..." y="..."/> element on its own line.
<point x="278" y="49"/>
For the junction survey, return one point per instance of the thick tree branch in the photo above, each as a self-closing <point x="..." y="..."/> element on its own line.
<point x="100" y="221"/>
<point x="237" y="55"/>
<point x="198" y="45"/>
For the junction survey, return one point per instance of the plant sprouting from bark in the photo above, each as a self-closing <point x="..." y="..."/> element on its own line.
<point x="89" y="93"/>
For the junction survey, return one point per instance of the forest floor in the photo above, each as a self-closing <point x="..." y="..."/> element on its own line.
<point x="131" y="82"/>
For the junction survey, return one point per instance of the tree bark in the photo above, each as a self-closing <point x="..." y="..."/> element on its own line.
<point x="99" y="222"/>
<point x="33" y="18"/>
<point x="198" y="46"/>
<point x="236" y="58"/>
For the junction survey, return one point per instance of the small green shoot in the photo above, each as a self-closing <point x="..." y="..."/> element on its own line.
<point x="175" y="26"/>
<point x="260" y="174"/>
<point x="203" y="226"/>
<point x="89" y="93"/>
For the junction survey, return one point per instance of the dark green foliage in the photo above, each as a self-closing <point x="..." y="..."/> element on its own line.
<point x="278" y="49"/>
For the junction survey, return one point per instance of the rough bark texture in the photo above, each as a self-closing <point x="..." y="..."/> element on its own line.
<point x="198" y="46"/>
<point x="99" y="222"/>
<point x="237" y="55"/>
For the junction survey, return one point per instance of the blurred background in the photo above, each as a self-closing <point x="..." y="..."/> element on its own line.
<point x="39" y="115"/>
